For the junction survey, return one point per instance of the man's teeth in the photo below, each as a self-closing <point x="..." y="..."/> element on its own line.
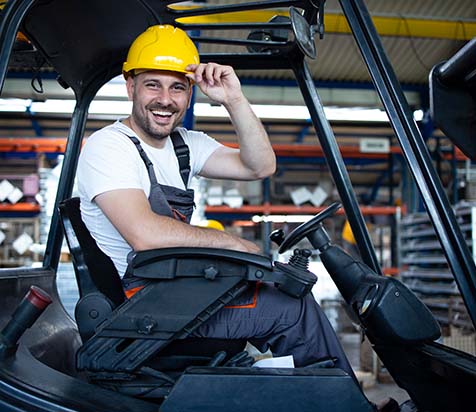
<point x="159" y="113"/>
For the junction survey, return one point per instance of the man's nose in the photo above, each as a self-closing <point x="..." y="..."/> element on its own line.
<point x="164" y="96"/>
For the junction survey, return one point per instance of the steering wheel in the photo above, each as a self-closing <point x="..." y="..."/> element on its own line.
<point x="308" y="227"/>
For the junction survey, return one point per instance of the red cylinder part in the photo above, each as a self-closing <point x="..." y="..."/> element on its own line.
<point x="38" y="297"/>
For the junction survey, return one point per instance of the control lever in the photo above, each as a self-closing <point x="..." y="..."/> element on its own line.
<point x="300" y="259"/>
<point x="296" y="279"/>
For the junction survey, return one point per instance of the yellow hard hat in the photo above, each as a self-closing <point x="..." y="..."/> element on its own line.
<point x="211" y="224"/>
<point x="161" y="47"/>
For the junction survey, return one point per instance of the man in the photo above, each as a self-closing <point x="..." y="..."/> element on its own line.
<point x="134" y="196"/>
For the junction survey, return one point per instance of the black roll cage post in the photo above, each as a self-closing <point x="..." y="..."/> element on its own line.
<point x="384" y="78"/>
<point x="335" y="162"/>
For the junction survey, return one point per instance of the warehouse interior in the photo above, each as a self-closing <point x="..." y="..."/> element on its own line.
<point x="36" y="112"/>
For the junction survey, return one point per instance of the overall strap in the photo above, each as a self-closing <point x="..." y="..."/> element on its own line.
<point x="145" y="159"/>
<point x="181" y="151"/>
<point x="183" y="155"/>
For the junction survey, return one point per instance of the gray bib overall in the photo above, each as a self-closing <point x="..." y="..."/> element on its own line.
<point x="165" y="200"/>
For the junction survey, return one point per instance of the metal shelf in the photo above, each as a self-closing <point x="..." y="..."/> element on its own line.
<point x="427" y="274"/>
<point x="268" y="209"/>
<point x="416" y="259"/>
<point x="425" y="231"/>
<point x="455" y="322"/>
<point x="58" y="145"/>
<point x="35" y="145"/>
<point x="22" y="207"/>
<point x="426" y="271"/>
<point x="435" y="245"/>
<point x="435" y="290"/>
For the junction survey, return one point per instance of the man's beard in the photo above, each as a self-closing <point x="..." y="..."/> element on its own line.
<point x="145" y="124"/>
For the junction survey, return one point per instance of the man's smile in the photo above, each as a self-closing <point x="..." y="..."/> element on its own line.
<point x="161" y="113"/>
<point x="162" y="116"/>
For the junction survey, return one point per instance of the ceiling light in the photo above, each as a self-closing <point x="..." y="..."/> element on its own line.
<point x="124" y="107"/>
<point x="281" y="218"/>
<point x="14" y="105"/>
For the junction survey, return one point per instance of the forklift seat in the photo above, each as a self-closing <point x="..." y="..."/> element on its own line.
<point x="102" y="298"/>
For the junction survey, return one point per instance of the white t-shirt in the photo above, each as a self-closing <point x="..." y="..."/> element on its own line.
<point x="110" y="161"/>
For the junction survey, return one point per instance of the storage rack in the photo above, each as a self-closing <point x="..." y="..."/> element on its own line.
<point x="12" y="228"/>
<point x="424" y="268"/>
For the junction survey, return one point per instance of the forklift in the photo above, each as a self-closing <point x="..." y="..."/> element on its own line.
<point x="120" y="350"/>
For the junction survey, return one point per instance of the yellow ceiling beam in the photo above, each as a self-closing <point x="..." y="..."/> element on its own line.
<point x="408" y="27"/>
<point x="337" y="23"/>
<point x="257" y="16"/>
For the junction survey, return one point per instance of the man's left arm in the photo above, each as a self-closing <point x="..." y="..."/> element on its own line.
<point x="255" y="159"/>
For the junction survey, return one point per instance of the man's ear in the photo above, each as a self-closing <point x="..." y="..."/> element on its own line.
<point x="130" y="87"/>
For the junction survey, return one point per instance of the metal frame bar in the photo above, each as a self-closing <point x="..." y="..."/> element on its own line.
<point x="68" y="172"/>
<point x="414" y="150"/>
<point x="335" y="162"/>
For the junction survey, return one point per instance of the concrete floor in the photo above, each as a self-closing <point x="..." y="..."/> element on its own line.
<point x="374" y="390"/>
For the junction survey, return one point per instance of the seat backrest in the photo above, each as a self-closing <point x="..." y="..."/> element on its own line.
<point x="94" y="270"/>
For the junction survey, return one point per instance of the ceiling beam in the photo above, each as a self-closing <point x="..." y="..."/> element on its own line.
<point x="395" y="26"/>
<point x="409" y="27"/>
